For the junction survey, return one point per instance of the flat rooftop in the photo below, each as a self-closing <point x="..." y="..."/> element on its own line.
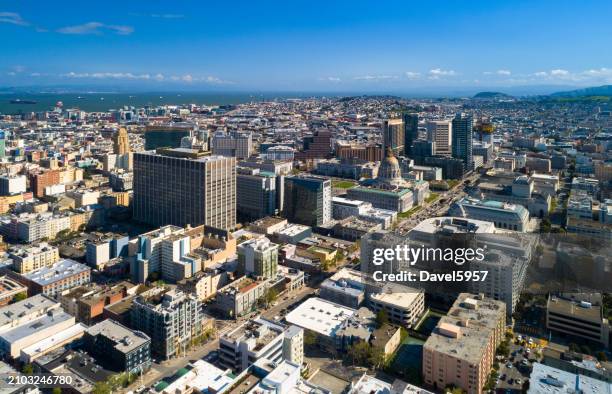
<point x="546" y="379"/>
<point x="261" y="330"/>
<point x="575" y="309"/>
<point x="57" y="339"/>
<point x="320" y="316"/>
<point x="125" y="339"/>
<point x="31" y="327"/>
<point x="64" y="268"/>
<point x="29" y="306"/>
<point x="482" y="317"/>
<point x="185" y="154"/>
<point x="398" y="299"/>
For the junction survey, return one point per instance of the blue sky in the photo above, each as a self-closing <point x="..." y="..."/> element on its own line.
<point x="306" y="45"/>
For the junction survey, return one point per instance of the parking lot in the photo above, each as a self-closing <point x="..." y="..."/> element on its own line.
<point x="514" y="371"/>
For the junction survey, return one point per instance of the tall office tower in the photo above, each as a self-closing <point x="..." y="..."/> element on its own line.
<point x="258" y="257"/>
<point x="393" y="135"/>
<point x="440" y="132"/>
<point x="462" y="140"/>
<point x="184" y="186"/>
<point x="2" y="143"/>
<point x="411" y="131"/>
<point x="422" y="149"/>
<point x="234" y="144"/>
<point x="255" y="193"/>
<point x="308" y="200"/>
<point x="121" y="143"/>
<point x="168" y="135"/>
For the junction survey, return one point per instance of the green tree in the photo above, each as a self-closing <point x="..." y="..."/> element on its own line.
<point x="27" y="369"/>
<point x="20" y="297"/>
<point x="377" y="358"/>
<point x="601" y="356"/>
<point x="359" y="353"/>
<point x="271" y="295"/>
<point x="504" y="349"/>
<point x="310" y="339"/>
<point x="101" y="388"/>
<point x="382" y="318"/>
<point x="56" y="390"/>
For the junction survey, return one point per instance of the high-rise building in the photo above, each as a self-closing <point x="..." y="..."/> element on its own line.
<point x="2" y="143"/>
<point x="462" y="140"/>
<point x="441" y="133"/>
<point x="184" y="186"/>
<point x="316" y="146"/>
<point x="411" y="131"/>
<point x="308" y="200"/>
<point x="259" y="257"/>
<point x="40" y="180"/>
<point x="350" y="150"/>
<point x="393" y="135"/>
<point x="234" y="144"/>
<point x="170" y="317"/>
<point x="256" y="193"/>
<point x="121" y="143"/>
<point x="167" y="136"/>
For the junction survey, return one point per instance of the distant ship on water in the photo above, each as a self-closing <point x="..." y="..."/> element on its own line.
<point x="20" y="101"/>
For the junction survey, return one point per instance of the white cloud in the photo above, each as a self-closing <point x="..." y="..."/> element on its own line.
<point x="159" y="77"/>
<point x="13" y="18"/>
<point x="437" y="73"/>
<point x="330" y="79"/>
<point x="187" y="78"/>
<point x="96" y="28"/>
<point x="35" y="74"/>
<point x="375" y="77"/>
<point x="412" y="75"/>
<point x="106" y="75"/>
<point x="504" y="72"/>
<point x="541" y="74"/>
<point x="559" y="73"/>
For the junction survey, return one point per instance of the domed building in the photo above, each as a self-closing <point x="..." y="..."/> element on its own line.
<point x="389" y="172"/>
<point x="389" y="190"/>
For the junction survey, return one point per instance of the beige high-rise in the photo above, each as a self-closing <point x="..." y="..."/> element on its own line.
<point x="440" y="132"/>
<point x="461" y="350"/>
<point x="121" y="142"/>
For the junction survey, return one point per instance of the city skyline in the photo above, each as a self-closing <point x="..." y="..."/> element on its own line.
<point x="404" y="47"/>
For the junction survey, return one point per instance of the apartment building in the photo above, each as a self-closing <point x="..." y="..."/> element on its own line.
<point x="170" y="317"/>
<point x="33" y="257"/>
<point x="461" y="349"/>
<point x="260" y="339"/>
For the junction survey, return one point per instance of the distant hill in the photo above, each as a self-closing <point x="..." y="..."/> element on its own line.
<point x="491" y="95"/>
<point x="605" y="90"/>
